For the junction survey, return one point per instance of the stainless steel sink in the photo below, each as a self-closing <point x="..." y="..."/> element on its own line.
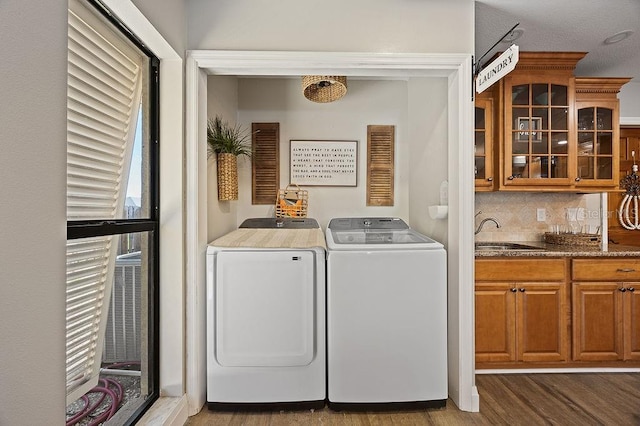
<point x="496" y="246"/>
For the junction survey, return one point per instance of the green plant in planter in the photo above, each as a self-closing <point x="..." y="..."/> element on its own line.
<point x="222" y="138"/>
<point x="226" y="143"/>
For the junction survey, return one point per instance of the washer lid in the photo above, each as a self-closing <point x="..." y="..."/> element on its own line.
<point x="349" y="223"/>
<point x="378" y="239"/>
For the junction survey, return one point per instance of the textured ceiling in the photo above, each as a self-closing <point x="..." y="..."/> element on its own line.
<point x="566" y="25"/>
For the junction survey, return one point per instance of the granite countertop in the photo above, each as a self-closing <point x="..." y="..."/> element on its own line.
<point x="556" y="250"/>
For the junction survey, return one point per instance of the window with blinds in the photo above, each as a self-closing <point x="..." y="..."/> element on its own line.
<point x="105" y="109"/>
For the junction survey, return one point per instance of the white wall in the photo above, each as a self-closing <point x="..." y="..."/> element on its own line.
<point x="169" y="20"/>
<point x="222" y="100"/>
<point x="402" y="26"/>
<point x="393" y="26"/>
<point x="33" y="213"/>
<point x="366" y="102"/>
<point x="33" y="217"/>
<point x="396" y="26"/>
<point x="428" y="153"/>
<point x="33" y="33"/>
<point x="630" y="100"/>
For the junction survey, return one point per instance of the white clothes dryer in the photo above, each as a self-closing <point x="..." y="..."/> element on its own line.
<point x="387" y="316"/>
<point x="266" y="316"/>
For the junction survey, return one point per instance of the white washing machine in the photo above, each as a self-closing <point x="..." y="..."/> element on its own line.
<point x="386" y="316"/>
<point x="266" y="316"/>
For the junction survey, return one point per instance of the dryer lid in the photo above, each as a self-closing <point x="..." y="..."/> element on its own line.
<point x="280" y="223"/>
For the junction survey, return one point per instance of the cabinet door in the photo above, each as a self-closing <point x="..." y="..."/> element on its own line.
<point x="483" y="144"/>
<point x="538" y="138"/>
<point x="598" y="148"/>
<point x="597" y="321"/>
<point x="629" y="143"/>
<point x="632" y="321"/>
<point x="542" y="322"/>
<point x="495" y="325"/>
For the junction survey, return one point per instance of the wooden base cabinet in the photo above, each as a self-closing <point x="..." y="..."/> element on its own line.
<point x="597" y="322"/>
<point x="495" y="322"/>
<point x="521" y="320"/>
<point x="631" y="322"/>
<point x="606" y="309"/>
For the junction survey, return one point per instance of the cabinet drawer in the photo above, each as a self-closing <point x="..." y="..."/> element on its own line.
<point x="620" y="269"/>
<point x="511" y="270"/>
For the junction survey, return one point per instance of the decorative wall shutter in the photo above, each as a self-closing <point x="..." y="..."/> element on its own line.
<point x="103" y="98"/>
<point x="265" y="162"/>
<point x="380" y="166"/>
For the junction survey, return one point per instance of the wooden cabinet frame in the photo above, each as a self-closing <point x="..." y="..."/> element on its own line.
<point x="606" y="309"/>
<point x="600" y="93"/>
<point x="597" y="321"/>
<point x="552" y="68"/>
<point x="485" y="181"/>
<point x="524" y="319"/>
<point x="557" y="312"/>
<point x="512" y="179"/>
<point x="606" y="325"/>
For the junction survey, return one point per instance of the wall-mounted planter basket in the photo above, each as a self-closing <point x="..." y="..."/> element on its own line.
<point x="227" y="176"/>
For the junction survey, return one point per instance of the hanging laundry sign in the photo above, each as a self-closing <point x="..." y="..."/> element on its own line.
<point x="501" y="66"/>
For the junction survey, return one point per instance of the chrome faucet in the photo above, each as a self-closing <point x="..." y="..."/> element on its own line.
<point x="485" y="220"/>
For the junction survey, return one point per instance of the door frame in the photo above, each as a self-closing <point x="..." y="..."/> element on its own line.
<point x="456" y="68"/>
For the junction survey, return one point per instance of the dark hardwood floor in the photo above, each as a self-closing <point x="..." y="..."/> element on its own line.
<point x="509" y="399"/>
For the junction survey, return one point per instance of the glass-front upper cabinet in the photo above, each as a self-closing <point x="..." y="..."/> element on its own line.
<point x="598" y="128"/>
<point x="483" y="144"/>
<point x="538" y="117"/>
<point x="595" y="144"/>
<point x="552" y="131"/>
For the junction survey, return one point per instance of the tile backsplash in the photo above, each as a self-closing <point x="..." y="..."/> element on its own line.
<point x="517" y="213"/>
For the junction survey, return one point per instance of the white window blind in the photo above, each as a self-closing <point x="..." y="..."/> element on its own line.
<point x="103" y="97"/>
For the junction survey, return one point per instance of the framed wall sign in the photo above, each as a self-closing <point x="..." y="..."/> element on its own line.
<point x="323" y="162"/>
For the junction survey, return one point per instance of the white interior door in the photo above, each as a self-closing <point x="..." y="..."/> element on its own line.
<point x="264" y="302"/>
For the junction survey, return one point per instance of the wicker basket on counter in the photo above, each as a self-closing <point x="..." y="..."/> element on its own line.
<point x="582" y="240"/>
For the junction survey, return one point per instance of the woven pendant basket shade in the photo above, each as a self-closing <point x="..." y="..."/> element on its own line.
<point x="324" y="88"/>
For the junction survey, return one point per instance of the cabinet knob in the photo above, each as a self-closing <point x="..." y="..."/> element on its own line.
<point x="631" y="289"/>
<point x="490" y="179"/>
<point x="578" y="179"/>
<point x="625" y="270"/>
<point x="622" y="289"/>
<point x="522" y="289"/>
<point x="513" y="290"/>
